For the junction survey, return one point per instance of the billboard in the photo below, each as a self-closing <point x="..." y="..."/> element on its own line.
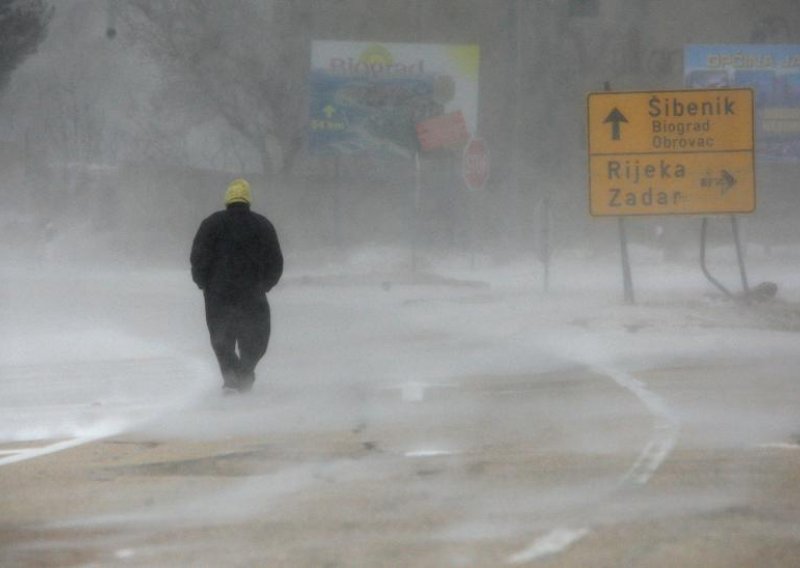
<point x="381" y="98"/>
<point x="772" y="71"/>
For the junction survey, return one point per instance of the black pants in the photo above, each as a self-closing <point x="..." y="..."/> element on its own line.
<point x="242" y="323"/>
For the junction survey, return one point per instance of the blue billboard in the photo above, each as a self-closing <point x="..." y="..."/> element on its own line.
<point x="772" y="71"/>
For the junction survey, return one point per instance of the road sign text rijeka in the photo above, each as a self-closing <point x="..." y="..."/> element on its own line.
<point x="671" y="152"/>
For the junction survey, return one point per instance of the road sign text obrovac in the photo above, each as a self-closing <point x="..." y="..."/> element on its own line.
<point x="671" y="152"/>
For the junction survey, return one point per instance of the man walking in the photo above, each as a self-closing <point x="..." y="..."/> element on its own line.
<point x="236" y="259"/>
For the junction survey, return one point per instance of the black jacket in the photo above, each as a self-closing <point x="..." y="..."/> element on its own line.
<point x="236" y="253"/>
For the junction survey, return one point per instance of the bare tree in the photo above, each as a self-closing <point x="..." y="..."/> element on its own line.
<point x="229" y="60"/>
<point x="23" y="25"/>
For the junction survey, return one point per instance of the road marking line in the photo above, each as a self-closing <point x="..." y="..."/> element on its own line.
<point x="430" y="453"/>
<point x="414" y="391"/>
<point x="654" y="453"/>
<point x="667" y="428"/>
<point x="780" y="446"/>
<point x="125" y="553"/>
<point x="29" y="453"/>
<point x="553" y="542"/>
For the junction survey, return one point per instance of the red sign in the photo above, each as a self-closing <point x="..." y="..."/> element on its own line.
<point x="475" y="167"/>
<point x="441" y="131"/>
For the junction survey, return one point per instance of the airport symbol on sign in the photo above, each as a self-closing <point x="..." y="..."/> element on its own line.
<point x="671" y="152"/>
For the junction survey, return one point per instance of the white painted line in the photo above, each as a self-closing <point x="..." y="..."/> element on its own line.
<point x="125" y="553"/>
<point x="553" y="542"/>
<point x="30" y="453"/>
<point x="413" y="392"/>
<point x="657" y="449"/>
<point x="780" y="446"/>
<point x="430" y="453"/>
<point x="667" y="428"/>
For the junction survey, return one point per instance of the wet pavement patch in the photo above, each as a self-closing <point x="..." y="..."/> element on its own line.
<point x="233" y="464"/>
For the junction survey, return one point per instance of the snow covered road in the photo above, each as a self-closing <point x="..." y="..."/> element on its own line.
<point x="450" y="419"/>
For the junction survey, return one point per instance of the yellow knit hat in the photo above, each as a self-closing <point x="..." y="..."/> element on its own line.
<point x="238" y="192"/>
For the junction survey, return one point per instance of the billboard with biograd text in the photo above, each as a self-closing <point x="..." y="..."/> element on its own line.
<point x="772" y="71"/>
<point x="369" y="98"/>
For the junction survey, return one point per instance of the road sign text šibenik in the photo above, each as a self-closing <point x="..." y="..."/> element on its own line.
<point x="671" y="152"/>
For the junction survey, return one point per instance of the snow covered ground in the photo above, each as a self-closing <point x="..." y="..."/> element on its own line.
<point x="89" y="351"/>
<point x="464" y="357"/>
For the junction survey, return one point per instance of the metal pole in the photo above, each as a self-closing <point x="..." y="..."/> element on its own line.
<point x="546" y="244"/>
<point x="472" y="221"/>
<point x="543" y="237"/>
<point x="740" y="256"/>
<point x="417" y="212"/>
<point x="111" y="19"/>
<point x="714" y="281"/>
<point x="627" y="280"/>
<point x="337" y="204"/>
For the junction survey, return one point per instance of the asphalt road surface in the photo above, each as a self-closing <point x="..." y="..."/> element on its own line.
<point x="402" y="423"/>
<point x="676" y="467"/>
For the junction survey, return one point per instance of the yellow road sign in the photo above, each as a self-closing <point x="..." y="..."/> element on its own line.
<point x="671" y="152"/>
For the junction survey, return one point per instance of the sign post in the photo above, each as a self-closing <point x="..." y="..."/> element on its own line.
<point x="670" y="153"/>
<point x="475" y="173"/>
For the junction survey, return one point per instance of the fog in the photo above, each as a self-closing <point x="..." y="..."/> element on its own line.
<point x="455" y="377"/>
<point x="138" y="132"/>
